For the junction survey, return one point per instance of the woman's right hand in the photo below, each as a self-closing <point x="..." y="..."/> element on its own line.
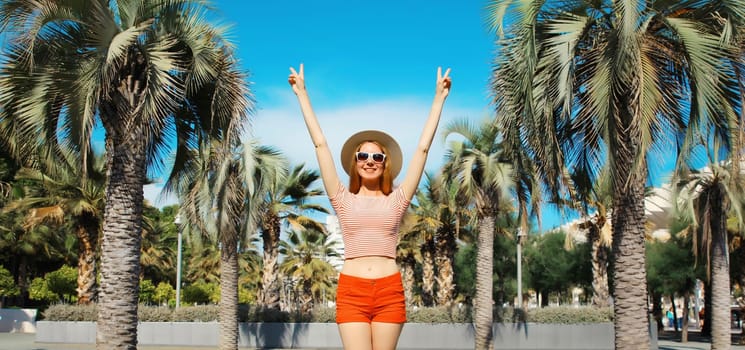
<point x="297" y="80"/>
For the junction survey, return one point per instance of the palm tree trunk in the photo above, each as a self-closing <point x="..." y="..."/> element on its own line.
<point x="600" y="293"/>
<point x="270" y="288"/>
<point x="684" y="314"/>
<point x="483" y="304"/>
<point x="428" y="272"/>
<point x="229" y="295"/>
<point x="706" y="328"/>
<point x="87" y="261"/>
<point x="120" y="249"/>
<point x="720" y="284"/>
<point x="407" y="270"/>
<point x="631" y="322"/>
<point x="444" y="259"/>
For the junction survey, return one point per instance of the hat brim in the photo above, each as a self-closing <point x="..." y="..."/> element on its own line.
<point x="393" y="150"/>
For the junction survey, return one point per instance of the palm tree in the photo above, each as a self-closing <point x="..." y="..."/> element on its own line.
<point x="148" y="71"/>
<point x="587" y="85"/>
<point x="454" y="211"/>
<point x="157" y="253"/>
<point x="487" y="179"/>
<point x="219" y="201"/>
<point x="597" y="228"/>
<point x="408" y="255"/>
<point x="706" y="197"/>
<point x="67" y="195"/>
<point x="425" y="213"/>
<point x="306" y="264"/>
<point x="284" y="201"/>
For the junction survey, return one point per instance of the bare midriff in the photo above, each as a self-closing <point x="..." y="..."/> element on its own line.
<point x="370" y="267"/>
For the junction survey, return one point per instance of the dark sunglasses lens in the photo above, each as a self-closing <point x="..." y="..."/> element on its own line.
<point x="362" y="156"/>
<point x="378" y="157"/>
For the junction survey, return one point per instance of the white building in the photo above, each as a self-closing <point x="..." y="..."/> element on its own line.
<point x="334" y="235"/>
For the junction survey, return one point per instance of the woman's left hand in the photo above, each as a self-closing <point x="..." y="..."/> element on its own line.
<point x="443" y="83"/>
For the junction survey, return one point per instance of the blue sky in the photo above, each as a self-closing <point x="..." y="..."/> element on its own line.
<point x="368" y="65"/>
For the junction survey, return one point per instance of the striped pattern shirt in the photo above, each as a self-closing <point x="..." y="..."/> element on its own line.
<point x="369" y="225"/>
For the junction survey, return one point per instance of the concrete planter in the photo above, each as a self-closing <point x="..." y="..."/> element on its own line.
<point x="326" y="335"/>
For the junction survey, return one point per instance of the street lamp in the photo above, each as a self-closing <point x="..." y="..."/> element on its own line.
<point x="177" y="221"/>
<point x="520" y="235"/>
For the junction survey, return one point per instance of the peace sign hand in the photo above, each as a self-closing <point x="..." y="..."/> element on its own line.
<point x="297" y="80"/>
<point x="443" y="83"/>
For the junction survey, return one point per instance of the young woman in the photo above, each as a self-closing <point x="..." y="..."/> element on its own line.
<point x="370" y="306"/>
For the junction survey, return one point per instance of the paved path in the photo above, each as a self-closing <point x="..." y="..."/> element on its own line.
<point x="20" y="341"/>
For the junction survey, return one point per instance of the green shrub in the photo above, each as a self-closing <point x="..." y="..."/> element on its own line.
<point x="56" y="286"/>
<point x="39" y="290"/>
<point x="324" y="314"/>
<point x="197" y="313"/>
<point x="570" y="315"/>
<point x="147" y="290"/>
<point x="154" y="314"/>
<point x="438" y="314"/>
<point x="8" y="287"/>
<point x="201" y="293"/>
<point x="66" y="312"/>
<point x="164" y="294"/>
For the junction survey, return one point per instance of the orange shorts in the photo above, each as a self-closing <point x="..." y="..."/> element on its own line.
<point x="370" y="300"/>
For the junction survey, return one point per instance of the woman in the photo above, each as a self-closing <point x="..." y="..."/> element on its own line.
<point x="370" y="306"/>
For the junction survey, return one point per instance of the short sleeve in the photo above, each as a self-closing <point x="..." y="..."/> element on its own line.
<point x="399" y="199"/>
<point x="339" y="198"/>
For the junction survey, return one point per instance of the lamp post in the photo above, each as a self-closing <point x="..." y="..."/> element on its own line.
<point x="177" y="221"/>
<point x="519" y="268"/>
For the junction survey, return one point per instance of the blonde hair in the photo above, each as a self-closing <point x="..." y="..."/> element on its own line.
<point x="386" y="180"/>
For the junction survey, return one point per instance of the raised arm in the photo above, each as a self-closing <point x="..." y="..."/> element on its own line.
<point x="325" y="160"/>
<point x="416" y="166"/>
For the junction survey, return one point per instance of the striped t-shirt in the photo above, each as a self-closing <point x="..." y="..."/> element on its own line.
<point x="369" y="225"/>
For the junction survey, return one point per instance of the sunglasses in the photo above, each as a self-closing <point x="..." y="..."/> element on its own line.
<point x="363" y="156"/>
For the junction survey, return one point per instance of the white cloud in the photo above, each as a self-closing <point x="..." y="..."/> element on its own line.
<point x="284" y="128"/>
<point x="404" y="118"/>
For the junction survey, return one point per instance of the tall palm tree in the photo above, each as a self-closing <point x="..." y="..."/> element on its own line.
<point x="706" y="198"/>
<point x="426" y="210"/>
<point x="306" y="263"/>
<point x="219" y="201"/>
<point x="593" y="84"/>
<point x="147" y="71"/>
<point x="597" y="229"/>
<point x="453" y="214"/>
<point x="68" y="196"/>
<point x="487" y="179"/>
<point x="285" y="201"/>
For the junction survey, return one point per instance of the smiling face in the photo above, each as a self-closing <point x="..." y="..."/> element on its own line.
<point x="369" y="169"/>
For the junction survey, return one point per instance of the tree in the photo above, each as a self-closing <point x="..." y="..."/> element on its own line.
<point x="408" y="255"/>
<point x="284" y="201"/>
<point x="67" y="195"/>
<point x="607" y="82"/>
<point x="551" y="268"/>
<point x="306" y="264"/>
<point x="486" y="178"/>
<point x="426" y="213"/>
<point x="220" y="201"/>
<point x="706" y="198"/>
<point x="671" y="270"/>
<point x="149" y="72"/>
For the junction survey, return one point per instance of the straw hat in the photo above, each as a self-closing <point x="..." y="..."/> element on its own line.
<point x="393" y="151"/>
